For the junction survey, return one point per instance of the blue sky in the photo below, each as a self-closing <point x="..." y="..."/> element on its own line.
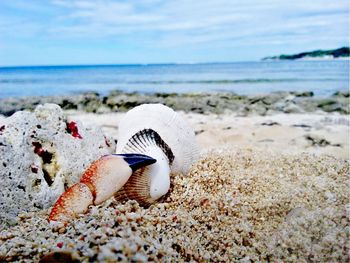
<point x="60" y="32"/>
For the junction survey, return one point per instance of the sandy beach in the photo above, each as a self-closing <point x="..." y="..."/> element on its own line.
<point x="174" y="131"/>
<point x="285" y="133"/>
<point x="271" y="185"/>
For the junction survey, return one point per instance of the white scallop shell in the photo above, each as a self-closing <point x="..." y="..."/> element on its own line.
<point x="170" y="126"/>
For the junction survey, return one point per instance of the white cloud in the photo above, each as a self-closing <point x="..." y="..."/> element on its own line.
<point x="162" y="24"/>
<point x="198" y="21"/>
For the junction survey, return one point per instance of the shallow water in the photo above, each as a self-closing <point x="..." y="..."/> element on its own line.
<point x="321" y="77"/>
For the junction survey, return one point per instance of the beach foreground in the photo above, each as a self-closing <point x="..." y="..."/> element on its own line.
<point x="233" y="206"/>
<point x="269" y="187"/>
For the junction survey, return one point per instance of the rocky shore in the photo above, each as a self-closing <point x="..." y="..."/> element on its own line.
<point x="117" y="101"/>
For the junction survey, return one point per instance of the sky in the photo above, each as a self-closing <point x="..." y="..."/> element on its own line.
<point x="76" y="32"/>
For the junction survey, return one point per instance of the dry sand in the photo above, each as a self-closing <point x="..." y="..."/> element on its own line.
<point x="319" y="133"/>
<point x="261" y="192"/>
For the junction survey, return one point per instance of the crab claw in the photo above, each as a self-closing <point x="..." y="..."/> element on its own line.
<point x="99" y="182"/>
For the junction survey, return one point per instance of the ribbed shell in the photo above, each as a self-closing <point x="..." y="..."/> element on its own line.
<point x="170" y="126"/>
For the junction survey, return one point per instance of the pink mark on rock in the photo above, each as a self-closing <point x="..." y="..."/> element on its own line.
<point x="60" y="244"/>
<point x="45" y="155"/>
<point x="72" y="128"/>
<point x="38" y="149"/>
<point x="34" y="168"/>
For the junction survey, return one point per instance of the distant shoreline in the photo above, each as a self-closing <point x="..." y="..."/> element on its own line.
<point x="342" y="53"/>
<point x="308" y="59"/>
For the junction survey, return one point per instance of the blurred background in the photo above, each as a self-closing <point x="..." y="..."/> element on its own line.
<point x="66" y="47"/>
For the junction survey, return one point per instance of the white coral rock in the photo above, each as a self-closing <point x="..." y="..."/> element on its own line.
<point x="40" y="156"/>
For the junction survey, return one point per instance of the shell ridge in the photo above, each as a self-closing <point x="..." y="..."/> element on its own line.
<point x="151" y="136"/>
<point x="121" y="195"/>
<point x="133" y="143"/>
<point x="130" y="147"/>
<point x="145" y="140"/>
<point x="154" y="139"/>
<point x="140" y="139"/>
<point x="138" y="187"/>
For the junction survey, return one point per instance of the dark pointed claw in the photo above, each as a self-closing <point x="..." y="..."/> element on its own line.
<point x="136" y="160"/>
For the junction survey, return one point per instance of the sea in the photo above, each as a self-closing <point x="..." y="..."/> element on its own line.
<point x="322" y="77"/>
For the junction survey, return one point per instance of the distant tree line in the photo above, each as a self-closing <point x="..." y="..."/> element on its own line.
<point x="336" y="53"/>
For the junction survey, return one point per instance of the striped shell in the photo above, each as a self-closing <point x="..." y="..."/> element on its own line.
<point x="162" y="125"/>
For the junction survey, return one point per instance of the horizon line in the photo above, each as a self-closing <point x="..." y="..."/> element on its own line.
<point x="127" y="64"/>
<point x="146" y="64"/>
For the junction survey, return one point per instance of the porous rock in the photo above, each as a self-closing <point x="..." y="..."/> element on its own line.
<point x="41" y="154"/>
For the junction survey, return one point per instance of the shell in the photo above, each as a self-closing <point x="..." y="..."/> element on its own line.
<point x="175" y="135"/>
<point x="152" y="130"/>
<point x="159" y="132"/>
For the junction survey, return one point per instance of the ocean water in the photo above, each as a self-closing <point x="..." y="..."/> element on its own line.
<point x="322" y="77"/>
